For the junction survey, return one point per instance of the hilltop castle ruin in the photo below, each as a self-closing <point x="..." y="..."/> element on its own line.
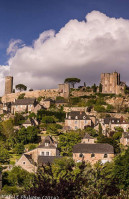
<point x="111" y="83"/>
<point x="63" y="90"/>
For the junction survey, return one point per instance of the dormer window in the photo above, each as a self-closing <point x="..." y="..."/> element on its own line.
<point x="46" y="144"/>
<point x="69" y="117"/>
<point x="113" y="121"/>
<point x="81" y="155"/>
<point x="84" y="117"/>
<point x="118" y="121"/>
<point x="76" y="117"/>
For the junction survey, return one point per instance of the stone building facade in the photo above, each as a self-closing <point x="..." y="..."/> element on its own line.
<point x="77" y="120"/>
<point x="45" y="152"/>
<point x="125" y="139"/>
<point x="109" y="124"/>
<point x="8" y="84"/>
<point x="111" y="83"/>
<point x="91" y="152"/>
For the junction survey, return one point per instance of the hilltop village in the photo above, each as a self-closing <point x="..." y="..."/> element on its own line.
<point x="84" y="124"/>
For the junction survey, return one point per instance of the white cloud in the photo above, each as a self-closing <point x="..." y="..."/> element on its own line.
<point x="80" y="49"/>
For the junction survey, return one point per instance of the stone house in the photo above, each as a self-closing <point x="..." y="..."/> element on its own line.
<point x="23" y="105"/>
<point x="92" y="152"/>
<point x="109" y="124"/>
<point x="7" y="107"/>
<point x="43" y="153"/>
<point x="28" y="122"/>
<point x="47" y="103"/>
<point x="87" y="139"/>
<point x="77" y="120"/>
<point x="125" y="139"/>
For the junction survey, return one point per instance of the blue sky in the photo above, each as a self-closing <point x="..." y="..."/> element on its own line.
<point x="26" y="19"/>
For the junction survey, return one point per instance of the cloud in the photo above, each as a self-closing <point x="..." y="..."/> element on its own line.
<point x="80" y="49"/>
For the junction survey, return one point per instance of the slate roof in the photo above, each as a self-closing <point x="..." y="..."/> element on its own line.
<point x="93" y="148"/>
<point x="87" y="136"/>
<point x="77" y="115"/>
<point x="115" y="121"/>
<point x="26" y="101"/>
<point x="47" y="159"/>
<point x="49" y="140"/>
<point x="29" y="158"/>
<point x="27" y="121"/>
<point x="49" y="99"/>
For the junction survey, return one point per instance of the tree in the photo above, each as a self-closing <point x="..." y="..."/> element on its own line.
<point x="72" y="81"/>
<point x="19" y="148"/>
<point x="100" y="88"/>
<point x="4" y="155"/>
<point x="67" y="141"/>
<point x="21" y="87"/>
<point x="94" y="87"/>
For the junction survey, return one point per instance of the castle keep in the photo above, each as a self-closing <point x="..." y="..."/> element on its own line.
<point x="8" y="84"/>
<point x="111" y="83"/>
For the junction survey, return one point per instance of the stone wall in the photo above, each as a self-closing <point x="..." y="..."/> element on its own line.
<point x="46" y="93"/>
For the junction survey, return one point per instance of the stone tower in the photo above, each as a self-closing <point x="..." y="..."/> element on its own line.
<point x="64" y="90"/>
<point x="111" y="83"/>
<point x="8" y="84"/>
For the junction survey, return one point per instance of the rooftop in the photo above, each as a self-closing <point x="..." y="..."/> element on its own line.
<point x="77" y="115"/>
<point x="25" y="101"/>
<point x="93" y="148"/>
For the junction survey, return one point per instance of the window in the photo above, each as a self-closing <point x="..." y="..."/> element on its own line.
<point x="85" y="121"/>
<point x="105" y="155"/>
<point x="42" y="153"/>
<point x="46" y="144"/>
<point x="47" y="153"/>
<point x="76" y="117"/>
<point x="69" y="117"/>
<point x="92" y="155"/>
<point x="24" y="162"/>
<point x="118" y="121"/>
<point x="81" y="155"/>
<point x="112" y="120"/>
<point x="75" y="122"/>
<point x="84" y="117"/>
<point x="76" y="128"/>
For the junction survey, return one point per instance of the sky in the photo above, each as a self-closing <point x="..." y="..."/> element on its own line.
<point x="42" y="42"/>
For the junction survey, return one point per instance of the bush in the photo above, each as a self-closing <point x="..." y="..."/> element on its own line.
<point x="21" y="96"/>
<point x="19" y="148"/>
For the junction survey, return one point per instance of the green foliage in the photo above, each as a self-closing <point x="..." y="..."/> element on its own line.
<point x="117" y="135"/>
<point x="15" y="180"/>
<point x="27" y="135"/>
<point x="4" y="155"/>
<point x="112" y="141"/>
<point x="72" y="81"/>
<point x="49" y="119"/>
<point x="19" y="148"/>
<point x="21" y="87"/>
<point x="109" y="108"/>
<point x="21" y="96"/>
<point x="67" y="141"/>
<point x="6" y="127"/>
<point x="31" y="147"/>
<point x="54" y="129"/>
<point x="91" y="131"/>
<point x="121" y="170"/>
<point x="60" y="115"/>
<point x="99" y="108"/>
<point x="18" y="119"/>
<point x="100" y="88"/>
<point x="94" y="87"/>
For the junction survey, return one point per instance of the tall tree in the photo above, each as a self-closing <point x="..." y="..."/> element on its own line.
<point x="72" y="81"/>
<point x="21" y="87"/>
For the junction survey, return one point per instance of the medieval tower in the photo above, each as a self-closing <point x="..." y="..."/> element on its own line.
<point x="8" y="84"/>
<point x="111" y="83"/>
